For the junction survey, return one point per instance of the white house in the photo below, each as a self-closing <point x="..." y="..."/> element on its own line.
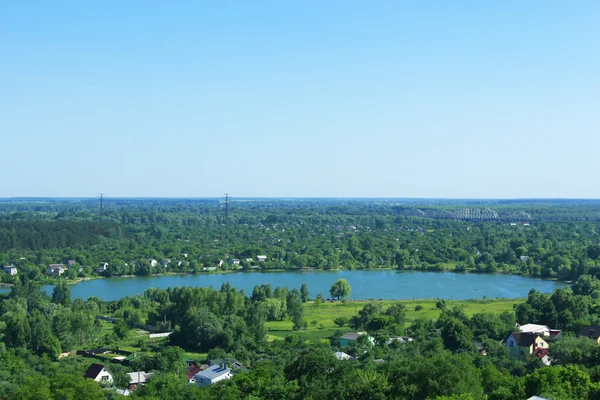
<point x="213" y="374"/>
<point x="10" y="269"/>
<point x="153" y="262"/>
<point x="235" y="261"/>
<point x="98" y="373"/>
<point x="261" y="258"/>
<point x="541" y="330"/>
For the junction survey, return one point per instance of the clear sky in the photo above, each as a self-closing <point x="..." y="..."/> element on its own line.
<point x="496" y="99"/>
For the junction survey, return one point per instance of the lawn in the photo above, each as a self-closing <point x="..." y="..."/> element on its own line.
<point x="320" y="316"/>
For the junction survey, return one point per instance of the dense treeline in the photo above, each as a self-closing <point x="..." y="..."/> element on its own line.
<point x="444" y="361"/>
<point x="194" y="236"/>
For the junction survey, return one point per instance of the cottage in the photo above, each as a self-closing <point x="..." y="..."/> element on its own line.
<point x="209" y="269"/>
<point x="165" y="262"/>
<point x="542" y="354"/>
<point x="249" y="260"/>
<point x="98" y="373"/>
<point x="353" y="337"/>
<point x="592" y="332"/>
<point x="523" y="344"/>
<point x="261" y="258"/>
<point x="234" y="262"/>
<point x="56" y="269"/>
<point x="213" y="374"/>
<point x="524" y="258"/>
<point x="220" y="263"/>
<point x="139" y="378"/>
<point x="153" y="262"/>
<point x="10" y="269"/>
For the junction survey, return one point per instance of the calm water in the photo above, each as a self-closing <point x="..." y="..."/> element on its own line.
<point x="365" y="284"/>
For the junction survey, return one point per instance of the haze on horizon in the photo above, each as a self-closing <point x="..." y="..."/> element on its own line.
<point x="457" y="99"/>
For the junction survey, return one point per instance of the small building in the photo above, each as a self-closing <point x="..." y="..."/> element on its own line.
<point x="350" y="337"/>
<point x="249" y="260"/>
<point x="56" y="269"/>
<point x="10" y="269"/>
<point x="98" y="373"/>
<point x="542" y="354"/>
<point x="592" y="332"/>
<point x="103" y="266"/>
<point x="235" y="261"/>
<point x="165" y="262"/>
<point x="220" y="263"/>
<point x="524" y="258"/>
<point x="398" y="339"/>
<point x="213" y="374"/>
<point x="542" y="330"/>
<point x="522" y="344"/>
<point x="209" y="269"/>
<point x="71" y="263"/>
<point x="139" y="378"/>
<point x="153" y="262"/>
<point x="340" y="355"/>
<point x="261" y="258"/>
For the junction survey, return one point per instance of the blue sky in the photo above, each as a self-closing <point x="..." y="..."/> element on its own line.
<point x="300" y="98"/>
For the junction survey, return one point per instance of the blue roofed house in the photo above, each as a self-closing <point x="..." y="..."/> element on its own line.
<point x="213" y="374"/>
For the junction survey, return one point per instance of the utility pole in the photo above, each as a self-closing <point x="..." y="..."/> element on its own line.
<point x="226" y="206"/>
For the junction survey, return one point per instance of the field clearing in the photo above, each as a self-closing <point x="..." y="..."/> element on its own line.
<point x="320" y="317"/>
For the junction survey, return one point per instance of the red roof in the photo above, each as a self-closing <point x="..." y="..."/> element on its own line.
<point x="192" y="371"/>
<point x="541" y="353"/>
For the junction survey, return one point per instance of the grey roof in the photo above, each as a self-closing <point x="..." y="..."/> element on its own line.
<point x="212" y="372"/>
<point x="351" y="336"/>
<point x="139" y="377"/>
<point x="590" y="331"/>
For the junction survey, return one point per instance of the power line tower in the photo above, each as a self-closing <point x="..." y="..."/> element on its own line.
<point x="226" y="206"/>
<point x="101" y="202"/>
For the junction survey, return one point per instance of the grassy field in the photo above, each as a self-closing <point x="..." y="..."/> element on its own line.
<point x="320" y="317"/>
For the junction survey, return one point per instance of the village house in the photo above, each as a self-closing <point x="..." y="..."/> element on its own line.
<point x="592" y="332"/>
<point x="351" y="337"/>
<point x="165" y="262"/>
<point x="261" y="258"/>
<point x="10" y="269"/>
<point x="153" y="262"/>
<point x="522" y="344"/>
<point x="234" y="262"/>
<point x="98" y="373"/>
<point x="213" y="374"/>
<point x="71" y="263"/>
<point x="56" y="269"/>
<point x="139" y="378"/>
<point x="220" y="263"/>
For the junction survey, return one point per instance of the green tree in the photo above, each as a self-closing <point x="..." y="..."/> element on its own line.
<point x="340" y="289"/>
<point x="304" y="292"/>
<point x="61" y="294"/>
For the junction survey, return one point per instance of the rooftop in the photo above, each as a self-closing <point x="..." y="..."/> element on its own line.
<point x="213" y="372"/>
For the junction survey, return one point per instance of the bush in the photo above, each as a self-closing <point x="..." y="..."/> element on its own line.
<point x="418" y="307"/>
<point x="341" y="321"/>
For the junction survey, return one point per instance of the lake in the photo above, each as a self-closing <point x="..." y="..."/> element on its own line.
<point x="371" y="284"/>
